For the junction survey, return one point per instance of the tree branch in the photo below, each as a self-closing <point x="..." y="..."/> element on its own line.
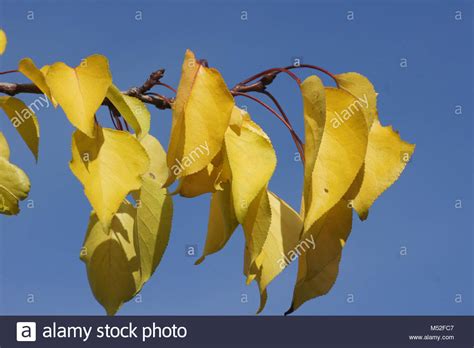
<point x="162" y="102"/>
<point x="142" y="92"/>
<point x="137" y="92"/>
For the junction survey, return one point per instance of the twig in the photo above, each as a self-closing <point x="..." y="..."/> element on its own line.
<point x="283" y="119"/>
<point x="294" y="135"/>
<point x="137" y="92"/>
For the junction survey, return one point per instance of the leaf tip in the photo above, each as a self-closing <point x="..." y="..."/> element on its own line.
<point x="200" y="260"/>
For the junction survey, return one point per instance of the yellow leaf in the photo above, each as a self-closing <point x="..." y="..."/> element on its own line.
<point x="210" y="178"/>
<point x="361" y="88"/>
<point x="314" y="103"/>
<point x="341" y="154"/>
<point x="132" y="110"/>
<point x="111" y="259"/>
<point x="256" y="228"/>
<point x="201" y="115"/>
<point x="158" y="169"/>
<point x="14" y="187"/>
<point x="199" y="183"/>
<point x="154" y="210"/>
<point x="281" y="246"/>
<point x="24" y="120"/>
<point x="318" y="267"/>
<point x="222" y="222"/>
<point x="3" y="41"/>
<point x="80" y="91"/>
<point x="109" y="166"/>
<point x="387" y="156"/>
<point x="252" y="162"/>
<point x="153" y="226"/>
<point x="236" y="118"/>
<point x="4" y="148"/>
<point x="38" y="76"/>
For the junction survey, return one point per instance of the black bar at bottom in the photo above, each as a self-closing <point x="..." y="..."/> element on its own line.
<point x="237" y="331"/>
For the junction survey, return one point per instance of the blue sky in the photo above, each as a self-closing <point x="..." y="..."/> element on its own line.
<point x="39" y="250"/>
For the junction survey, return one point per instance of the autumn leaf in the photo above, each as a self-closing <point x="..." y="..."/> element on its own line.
<point x="319" y="265"/>
<point x="210" y="178"/>
<point x="14" y="183"/>
<point x="222" y="222"/>
<point x="132" y="110"/>
<point x="154" y="210"/>
<point x="256" y="227"/>
<point x="201" y="114"/>
<point x="363" y="90"/>
<point x="111" y="259"/>
<point x="14" y="187"/>
<point x="38" y="76"/>
<point x="24" y="120"/>
<point x="252" y="162"/>
<point x="158" y="169"/>
<point x="384" y="156"/>
<point x="387" y="156"/>
<point x="121" y="259"/>
<point x="109" y="166"/>
<point x="3" y="41"/>
<point x="237" y="118"/>
<point x="280" y="246"/>
<point x="4" y="147"/>
<point x="201" y="182"/>
<point x="80" y="91"/>
<point x="341" y="151"/>
<point x="314" y="103"/>
<point x="247" y="190"/>
<point x="243" y="198"/>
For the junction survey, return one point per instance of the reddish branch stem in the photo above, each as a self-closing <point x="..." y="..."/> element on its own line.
<point x="112" y="118"/>
<point x="167" y="86"/>
<point x="314" y="67"/>
<point x="295" y="137"/>
<point x="269" y="71"/>
<point x="8" y="72"/>
<point x="126" y="125"/>
<point x="168" y="100"/>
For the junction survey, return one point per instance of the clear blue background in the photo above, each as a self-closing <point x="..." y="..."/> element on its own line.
<point x="39" y="251"/>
